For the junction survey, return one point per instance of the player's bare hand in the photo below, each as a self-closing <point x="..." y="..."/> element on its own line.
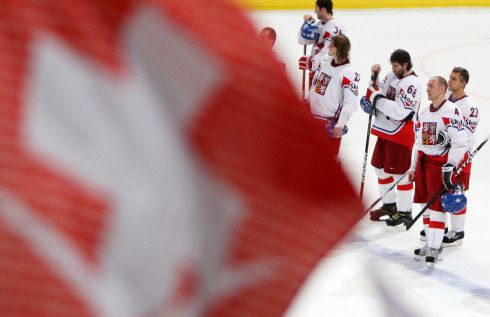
<point x="308" y="17"/>
<point x="376" y="68"/>
<point x="411" y="176"/>
<point x="338" y="132"/>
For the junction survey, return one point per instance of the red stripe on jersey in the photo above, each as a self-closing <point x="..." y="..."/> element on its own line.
<point x="405" y="186"/>
<point x="446" y="121"/>
<point x="346" y="82"/>
<point x="426" y="220"/>
<point x="437" y="225"/>
<point x="384" y="181"/>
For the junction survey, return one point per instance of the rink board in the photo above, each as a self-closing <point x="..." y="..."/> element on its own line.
<point x="359" y="4"/>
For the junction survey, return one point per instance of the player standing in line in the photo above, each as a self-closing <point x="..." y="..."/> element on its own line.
<point x="396" y="107"/>
<point x="334" y="93"/>
<point x="318" y="32"/>
<point x="268" y="35"/>
<point x="458" y="79"/>
<point x="434" y="161"/>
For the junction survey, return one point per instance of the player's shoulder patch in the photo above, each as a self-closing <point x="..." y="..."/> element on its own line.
<point x="451" y="116"/>
<point x="408" y="96"/>
<point x="350" y="84"/>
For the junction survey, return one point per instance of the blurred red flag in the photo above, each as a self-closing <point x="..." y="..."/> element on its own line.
<point x="154" y="163"/>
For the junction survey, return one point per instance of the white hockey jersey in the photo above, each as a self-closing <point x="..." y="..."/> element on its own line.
<point x="397" y="113"/>
<point x="471" y="116"/>
<point x="447" y="120"/>
<point x="326" y="31"/>
<point x="335" y="91"/>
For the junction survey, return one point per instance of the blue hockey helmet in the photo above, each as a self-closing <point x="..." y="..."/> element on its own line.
<point x="365" y="105"/>
<point x="454" y="200"/>
<point x="309" y="31"/>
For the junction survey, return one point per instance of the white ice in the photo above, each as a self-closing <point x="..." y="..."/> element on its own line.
<point x="344" y="284"/>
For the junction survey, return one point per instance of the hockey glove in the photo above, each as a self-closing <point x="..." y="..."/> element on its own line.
<point x="305" y="63"/>
<point x="373" y="95"/>
<point x="448" y="172"/>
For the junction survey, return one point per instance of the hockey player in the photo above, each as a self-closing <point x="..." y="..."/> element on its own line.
<point x="318" y="33"/>
<point x="441" y="145"/>
<point x="334" y="94"/>
<point x="396" y="104"/>
<point x="458" y="79"/>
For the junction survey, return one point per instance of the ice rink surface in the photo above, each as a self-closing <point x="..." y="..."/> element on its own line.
<point x="347" y="283"/>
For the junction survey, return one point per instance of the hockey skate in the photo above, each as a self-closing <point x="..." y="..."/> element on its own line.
<point x="398" y="221"/>
<point x="423" y="251"/>
<point x="383" y="213"/>
<point x="453" y="239"/>
<point x="424" y="238"/>
<point x="432" y="256"/>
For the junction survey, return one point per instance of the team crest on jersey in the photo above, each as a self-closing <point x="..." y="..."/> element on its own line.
<point x="391" y="93"/>
<point x="407" y="101"/>
<point x="322" y="83"/>
<point x="349" y="84"/>
<point x="453" y="123"/>
<point x="429" y="133"/>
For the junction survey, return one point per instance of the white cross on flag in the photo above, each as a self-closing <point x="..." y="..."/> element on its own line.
<point x="153" y="162"/>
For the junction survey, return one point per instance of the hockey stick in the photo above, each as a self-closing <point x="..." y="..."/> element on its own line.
<point x="374" y="78"/>
<point x="386" y="192"/>
<point x="441" y="192"/>
<point x="303" y="83"/>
